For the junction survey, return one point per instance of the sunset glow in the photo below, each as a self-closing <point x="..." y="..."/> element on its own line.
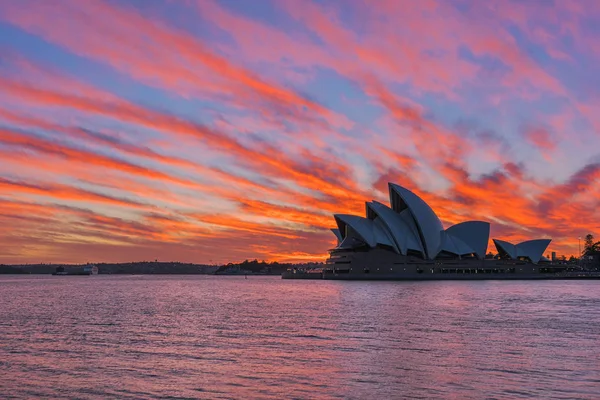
<point x="216" y="131"/>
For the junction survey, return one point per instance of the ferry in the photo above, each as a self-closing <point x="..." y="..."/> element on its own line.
<point x="89" y="269"/>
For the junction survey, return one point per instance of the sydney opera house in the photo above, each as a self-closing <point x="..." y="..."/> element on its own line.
<point x="408" y="241"/>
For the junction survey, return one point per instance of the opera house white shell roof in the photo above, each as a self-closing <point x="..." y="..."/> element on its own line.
<point x="532" y="249"/>
<point x="410" y="226"/>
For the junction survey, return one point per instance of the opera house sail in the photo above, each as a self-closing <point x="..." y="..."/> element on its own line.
<point x="407" y="240"/>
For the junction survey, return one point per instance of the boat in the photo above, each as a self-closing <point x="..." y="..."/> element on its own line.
<point x="407" y="241"/>
<point x="60" y="271"/>
<point x="88" y="269"/>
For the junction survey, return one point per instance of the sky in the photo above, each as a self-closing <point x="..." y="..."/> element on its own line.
<point x="217" y="131"/>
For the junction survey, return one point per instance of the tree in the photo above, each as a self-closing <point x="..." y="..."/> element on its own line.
<point x="589" y="244"/>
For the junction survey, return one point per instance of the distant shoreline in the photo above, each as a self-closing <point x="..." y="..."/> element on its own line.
<point x="246" y="267"/>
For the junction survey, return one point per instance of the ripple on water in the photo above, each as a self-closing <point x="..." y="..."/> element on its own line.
<point x="226" y="337"/>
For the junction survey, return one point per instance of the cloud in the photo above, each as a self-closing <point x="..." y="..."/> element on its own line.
<point x="540" y="138"/>
<point x="161" y="55"/>
<point x="40" y="145"/>
<point x="179" y="141"/>
<point x="65" y="192"/>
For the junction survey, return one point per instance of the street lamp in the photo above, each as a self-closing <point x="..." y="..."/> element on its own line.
<point x="579" y="243"/>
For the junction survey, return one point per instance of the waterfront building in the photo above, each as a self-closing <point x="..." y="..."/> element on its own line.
<point x="407" y="241"/>
<point x="410" y="227"/>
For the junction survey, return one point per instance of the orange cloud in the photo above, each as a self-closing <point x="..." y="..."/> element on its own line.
<point x="266" y="160"/>
<point x="66" y="192"/>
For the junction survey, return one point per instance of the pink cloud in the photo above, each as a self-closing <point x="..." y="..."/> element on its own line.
<point x="540" y="138"/>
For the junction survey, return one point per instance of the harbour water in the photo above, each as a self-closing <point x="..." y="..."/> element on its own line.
<point x="264" y="337"/>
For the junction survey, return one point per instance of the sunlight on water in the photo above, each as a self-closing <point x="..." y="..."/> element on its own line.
<point x="263" y="337"/>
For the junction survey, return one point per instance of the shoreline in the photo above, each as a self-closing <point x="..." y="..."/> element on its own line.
<point x="246" y="267"/>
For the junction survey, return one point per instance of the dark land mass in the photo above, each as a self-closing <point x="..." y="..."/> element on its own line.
<point x="9" y="269"/>
<point x="246" y="267"/>
<point x="261" y="267"/>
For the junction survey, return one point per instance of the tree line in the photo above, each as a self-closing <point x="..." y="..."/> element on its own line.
<point x="590" y="245"/>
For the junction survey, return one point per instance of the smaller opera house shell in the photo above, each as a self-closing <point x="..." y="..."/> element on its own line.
<point x="411" y="228"/>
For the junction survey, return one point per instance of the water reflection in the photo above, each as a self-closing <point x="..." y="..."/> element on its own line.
<point x="227" y="337"/>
